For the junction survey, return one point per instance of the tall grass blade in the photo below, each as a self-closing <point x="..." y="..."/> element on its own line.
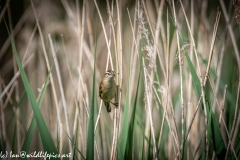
<point x="237" y="147"/>
<point x="28" y="139"/>
<point x="124" y="134"/>
<point x="143" y="148"/>
<point x="215" y="136"/>
<point x="129" y="145"/>
<point x="198" y="146"/>
<point x="75" y="147"/>
<point x="90" y="133"/>
<point x="195" y="78"/>
<point x="161" y="153"/>
<point x="231" y="99"/>
<point x="45" y="135"/>
<point x="150" y="147"/>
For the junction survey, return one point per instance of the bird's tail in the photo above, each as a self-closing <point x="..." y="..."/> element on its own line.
<point x="107" y="104"/>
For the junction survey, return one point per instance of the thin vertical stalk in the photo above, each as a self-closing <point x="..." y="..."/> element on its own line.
<point x="116" y="109"/>
<point x="81" y="33"/>
<point x="105" y="34"/>
<point x="156" y="34"/>
<point x="222" y="119"/>
<point x="51" y="77"/>
<point x="62" y="93"/>
<point x="206" y="74"/>
<point x="181" y="72"/>
<point x="220" y="62"/>
<point x="149" y="110"/>
<point x="236" y="51"/>
<point x="189" y="107"/>
<point x="234" y="122"/>
<point x="200" y="78"/>
<point x="119" y="64"/>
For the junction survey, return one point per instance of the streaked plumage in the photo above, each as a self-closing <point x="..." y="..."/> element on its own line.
<point x="108" y="89"/>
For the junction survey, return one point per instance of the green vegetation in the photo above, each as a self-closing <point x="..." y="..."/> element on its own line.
<point x="177" y="67"/>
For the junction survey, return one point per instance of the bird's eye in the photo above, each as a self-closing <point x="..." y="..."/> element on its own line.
<point x="109" y="73"/>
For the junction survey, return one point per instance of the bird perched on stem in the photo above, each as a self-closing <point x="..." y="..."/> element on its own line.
<point x="108" y="89"/>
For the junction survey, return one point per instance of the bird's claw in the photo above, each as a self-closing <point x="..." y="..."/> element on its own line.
<point x="115" y="104"/>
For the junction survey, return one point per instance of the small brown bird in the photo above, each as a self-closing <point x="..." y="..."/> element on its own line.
<point x="108" y="89"/>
